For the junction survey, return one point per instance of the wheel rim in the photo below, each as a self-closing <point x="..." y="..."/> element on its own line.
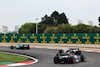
<point x="83" y="58"/>
<point x="73" y="60"/>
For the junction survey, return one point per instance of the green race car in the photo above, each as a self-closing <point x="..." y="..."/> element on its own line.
<point x="20" y="46"/>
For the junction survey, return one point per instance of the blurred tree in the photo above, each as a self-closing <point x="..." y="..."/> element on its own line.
<point x="49" y="30"/>
<point x="57" y="23"/>
<point x="54" y="19"/>
<point x="62" y="19"/>
<point x="28" y="28"/>
<point x="41" y="27"/>
<point x="67" y="28"/>
<point x="47" y="20"/>
<point x="99" y="19"/>
<point x="82" y="28"/>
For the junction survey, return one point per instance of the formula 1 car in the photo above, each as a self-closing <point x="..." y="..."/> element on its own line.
<point x="20" y="46"/>
<point x="74" y="50"/>
<point x="71" y="56"/>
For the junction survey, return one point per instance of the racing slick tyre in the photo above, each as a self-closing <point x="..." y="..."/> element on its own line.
<point x="66" y="61"/>
<point x="79" y="52"/>
<point x="28" y="47"/>
<point x="72" y="60"/>
<point x="11" y="47"/>
<point x="56" y="60"/>
<point x="82" y="58"/>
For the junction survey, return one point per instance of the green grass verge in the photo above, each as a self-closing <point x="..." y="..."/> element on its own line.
<point x="12" y="58"/>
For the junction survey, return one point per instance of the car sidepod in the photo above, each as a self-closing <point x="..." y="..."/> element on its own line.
<point x="77" y="58"/>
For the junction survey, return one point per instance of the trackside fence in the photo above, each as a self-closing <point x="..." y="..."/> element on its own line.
<point x="88" y="38"/>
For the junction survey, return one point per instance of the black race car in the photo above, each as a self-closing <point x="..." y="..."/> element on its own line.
<point x="69" y="56"/>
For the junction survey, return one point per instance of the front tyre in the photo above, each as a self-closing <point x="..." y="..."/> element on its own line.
<point x="11" y="47"/>
<point x="72" y="60"/>
<point x="56" y="60"/>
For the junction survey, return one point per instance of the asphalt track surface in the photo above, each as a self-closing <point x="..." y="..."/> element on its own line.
<point x="45" y="57"/>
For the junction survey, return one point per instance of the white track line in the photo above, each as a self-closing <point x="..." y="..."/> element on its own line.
<point x="20" y="64"/>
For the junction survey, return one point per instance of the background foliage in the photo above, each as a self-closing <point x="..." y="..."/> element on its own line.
<point x="57" y="23"/>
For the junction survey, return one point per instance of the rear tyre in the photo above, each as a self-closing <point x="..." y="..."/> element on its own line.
<point x="82" y="58"/>
<point x="72" y="60"/>
<point x="28" y="47"/>
<point x="79" y="52"/>
<point x="56" y="60"/>
<point x="11" y="47"/>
